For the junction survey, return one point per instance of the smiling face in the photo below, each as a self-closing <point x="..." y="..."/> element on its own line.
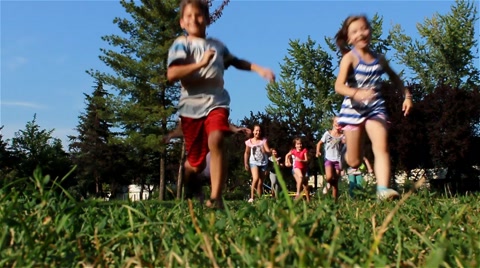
<point x="298" y="145"/>
<point x="257" y="132"/>
<point x="194" y="21"/>
<point x="359" y="33"/>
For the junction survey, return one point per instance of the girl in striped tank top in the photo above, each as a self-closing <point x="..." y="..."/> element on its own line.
<point x="363" y="109"/>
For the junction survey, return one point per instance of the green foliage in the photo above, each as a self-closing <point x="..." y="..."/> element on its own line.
<point x="447" y="50"/>
<point x="33" y="147"/>
<point x="304" y="93"/>
<point x="42" y="227"/>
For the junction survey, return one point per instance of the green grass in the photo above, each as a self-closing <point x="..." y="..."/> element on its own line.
<point x="47" y="228"/>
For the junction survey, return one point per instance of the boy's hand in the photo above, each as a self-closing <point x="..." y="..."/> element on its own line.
<point x="407" y="106"/>
<point x="207" y="57"/>
<point x="267" y="74"/>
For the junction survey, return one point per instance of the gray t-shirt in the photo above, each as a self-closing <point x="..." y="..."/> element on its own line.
<point x="332" y="146"/>
<point x="203" y="90"/>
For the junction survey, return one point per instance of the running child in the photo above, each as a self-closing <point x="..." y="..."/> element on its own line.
<point x="255" y="160"/>
<point x="300" y="161"/>
<point x="199" y="63"/>
<point x="333" y="140"/>
<point x="363" y="108"/>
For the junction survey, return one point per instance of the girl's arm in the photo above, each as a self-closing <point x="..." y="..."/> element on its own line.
<point x="266" y="148"/>
<point x="319" y="148"/>
<point x="407" y="103"/>
<point x="287" y="159"/>
<point x="245" y="157"/>
<point x="306" y="156"/>
<point x="341" y="87"/>
<point x="367" y="163"/>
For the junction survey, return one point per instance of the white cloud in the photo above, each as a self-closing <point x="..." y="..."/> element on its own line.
<point x="22" y="104"/>
<point x="16" y="62"/>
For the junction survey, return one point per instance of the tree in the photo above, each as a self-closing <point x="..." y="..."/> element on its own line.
<point x="448" y="49"/>
<point x="146" y="101"/>
<point x="304" y="95"/>
<point x="96" y="158"/>
<point x="35" y="147"/>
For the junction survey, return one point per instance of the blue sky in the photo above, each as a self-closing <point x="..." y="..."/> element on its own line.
<point x="46" y="46"/>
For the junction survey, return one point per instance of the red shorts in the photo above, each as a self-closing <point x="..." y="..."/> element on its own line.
<point x="196" y="132"/>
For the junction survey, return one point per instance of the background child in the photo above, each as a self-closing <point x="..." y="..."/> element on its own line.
<point x="355" y="176"/>
<point x="299" y="164"/>
<point x="273" y="176"/>
<point x="363" y="108"/>
<point x="199" y="63"/>
<point x="333" y="140"/>
<point x="255" y="160"/>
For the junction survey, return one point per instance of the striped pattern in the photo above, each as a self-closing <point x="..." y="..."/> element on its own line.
<point x="365" y="75"/>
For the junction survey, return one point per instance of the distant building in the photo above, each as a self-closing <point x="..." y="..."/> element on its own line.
<point x="133" y="191"/>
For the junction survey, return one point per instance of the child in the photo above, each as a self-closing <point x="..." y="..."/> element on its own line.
<point x="255" y="160"/>
<point x="273" y="176"/>
<point x="199" y="63"/>
<point x="205" y="174"/>
<point x="355" y="176"/>
<point x="333" y="140"/>
<point x="300" y="160"/>
<point x="363" y="108"/>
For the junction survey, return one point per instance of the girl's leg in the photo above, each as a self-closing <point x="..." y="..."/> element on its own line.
<point x="306" y="189"/>
<point x="297" y="173"/>
<point x="273" y="183"/>
<point x="377" y="132"/>
<point x="261" y="179"/>
<point x="216" y="144"/>
<point x="354" y="140"/>
<point x="255" y="178"/>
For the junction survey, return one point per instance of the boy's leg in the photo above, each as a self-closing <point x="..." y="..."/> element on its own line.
<point x="216" y="126"/>
<point x="195" y="140"/>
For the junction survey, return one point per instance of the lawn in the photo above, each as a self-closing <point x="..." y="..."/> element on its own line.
<point x="48" y="228"/>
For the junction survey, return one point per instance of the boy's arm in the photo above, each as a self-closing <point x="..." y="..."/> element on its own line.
<point x="178" y="69"/>
<point x="248" y="66"/>
<point x="236" y="129"/>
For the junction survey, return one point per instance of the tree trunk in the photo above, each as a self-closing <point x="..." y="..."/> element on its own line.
<point x="180" y="172"/>
<point x="161" y="188"/>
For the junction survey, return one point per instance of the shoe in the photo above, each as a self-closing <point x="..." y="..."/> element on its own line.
<point x="326" y="188"/>
<point x="387" y="194"/>
<point x="250" y="200"/>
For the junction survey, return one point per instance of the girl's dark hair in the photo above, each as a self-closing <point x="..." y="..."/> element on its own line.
<point x="200" y="4"/>
<point x="341" y="38"/>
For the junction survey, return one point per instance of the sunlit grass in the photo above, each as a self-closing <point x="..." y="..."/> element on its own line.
<point x="41" y="227"/>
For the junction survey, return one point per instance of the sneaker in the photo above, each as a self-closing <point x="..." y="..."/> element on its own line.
<point x="387" y="194"/>
<point x="250" y="200"/>
<point x="326" y="188"/>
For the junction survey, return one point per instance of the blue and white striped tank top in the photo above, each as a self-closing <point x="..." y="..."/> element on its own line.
<point x="364" y="75"/>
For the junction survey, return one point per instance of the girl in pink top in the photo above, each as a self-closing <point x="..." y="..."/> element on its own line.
<point x="300" y="160"/>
